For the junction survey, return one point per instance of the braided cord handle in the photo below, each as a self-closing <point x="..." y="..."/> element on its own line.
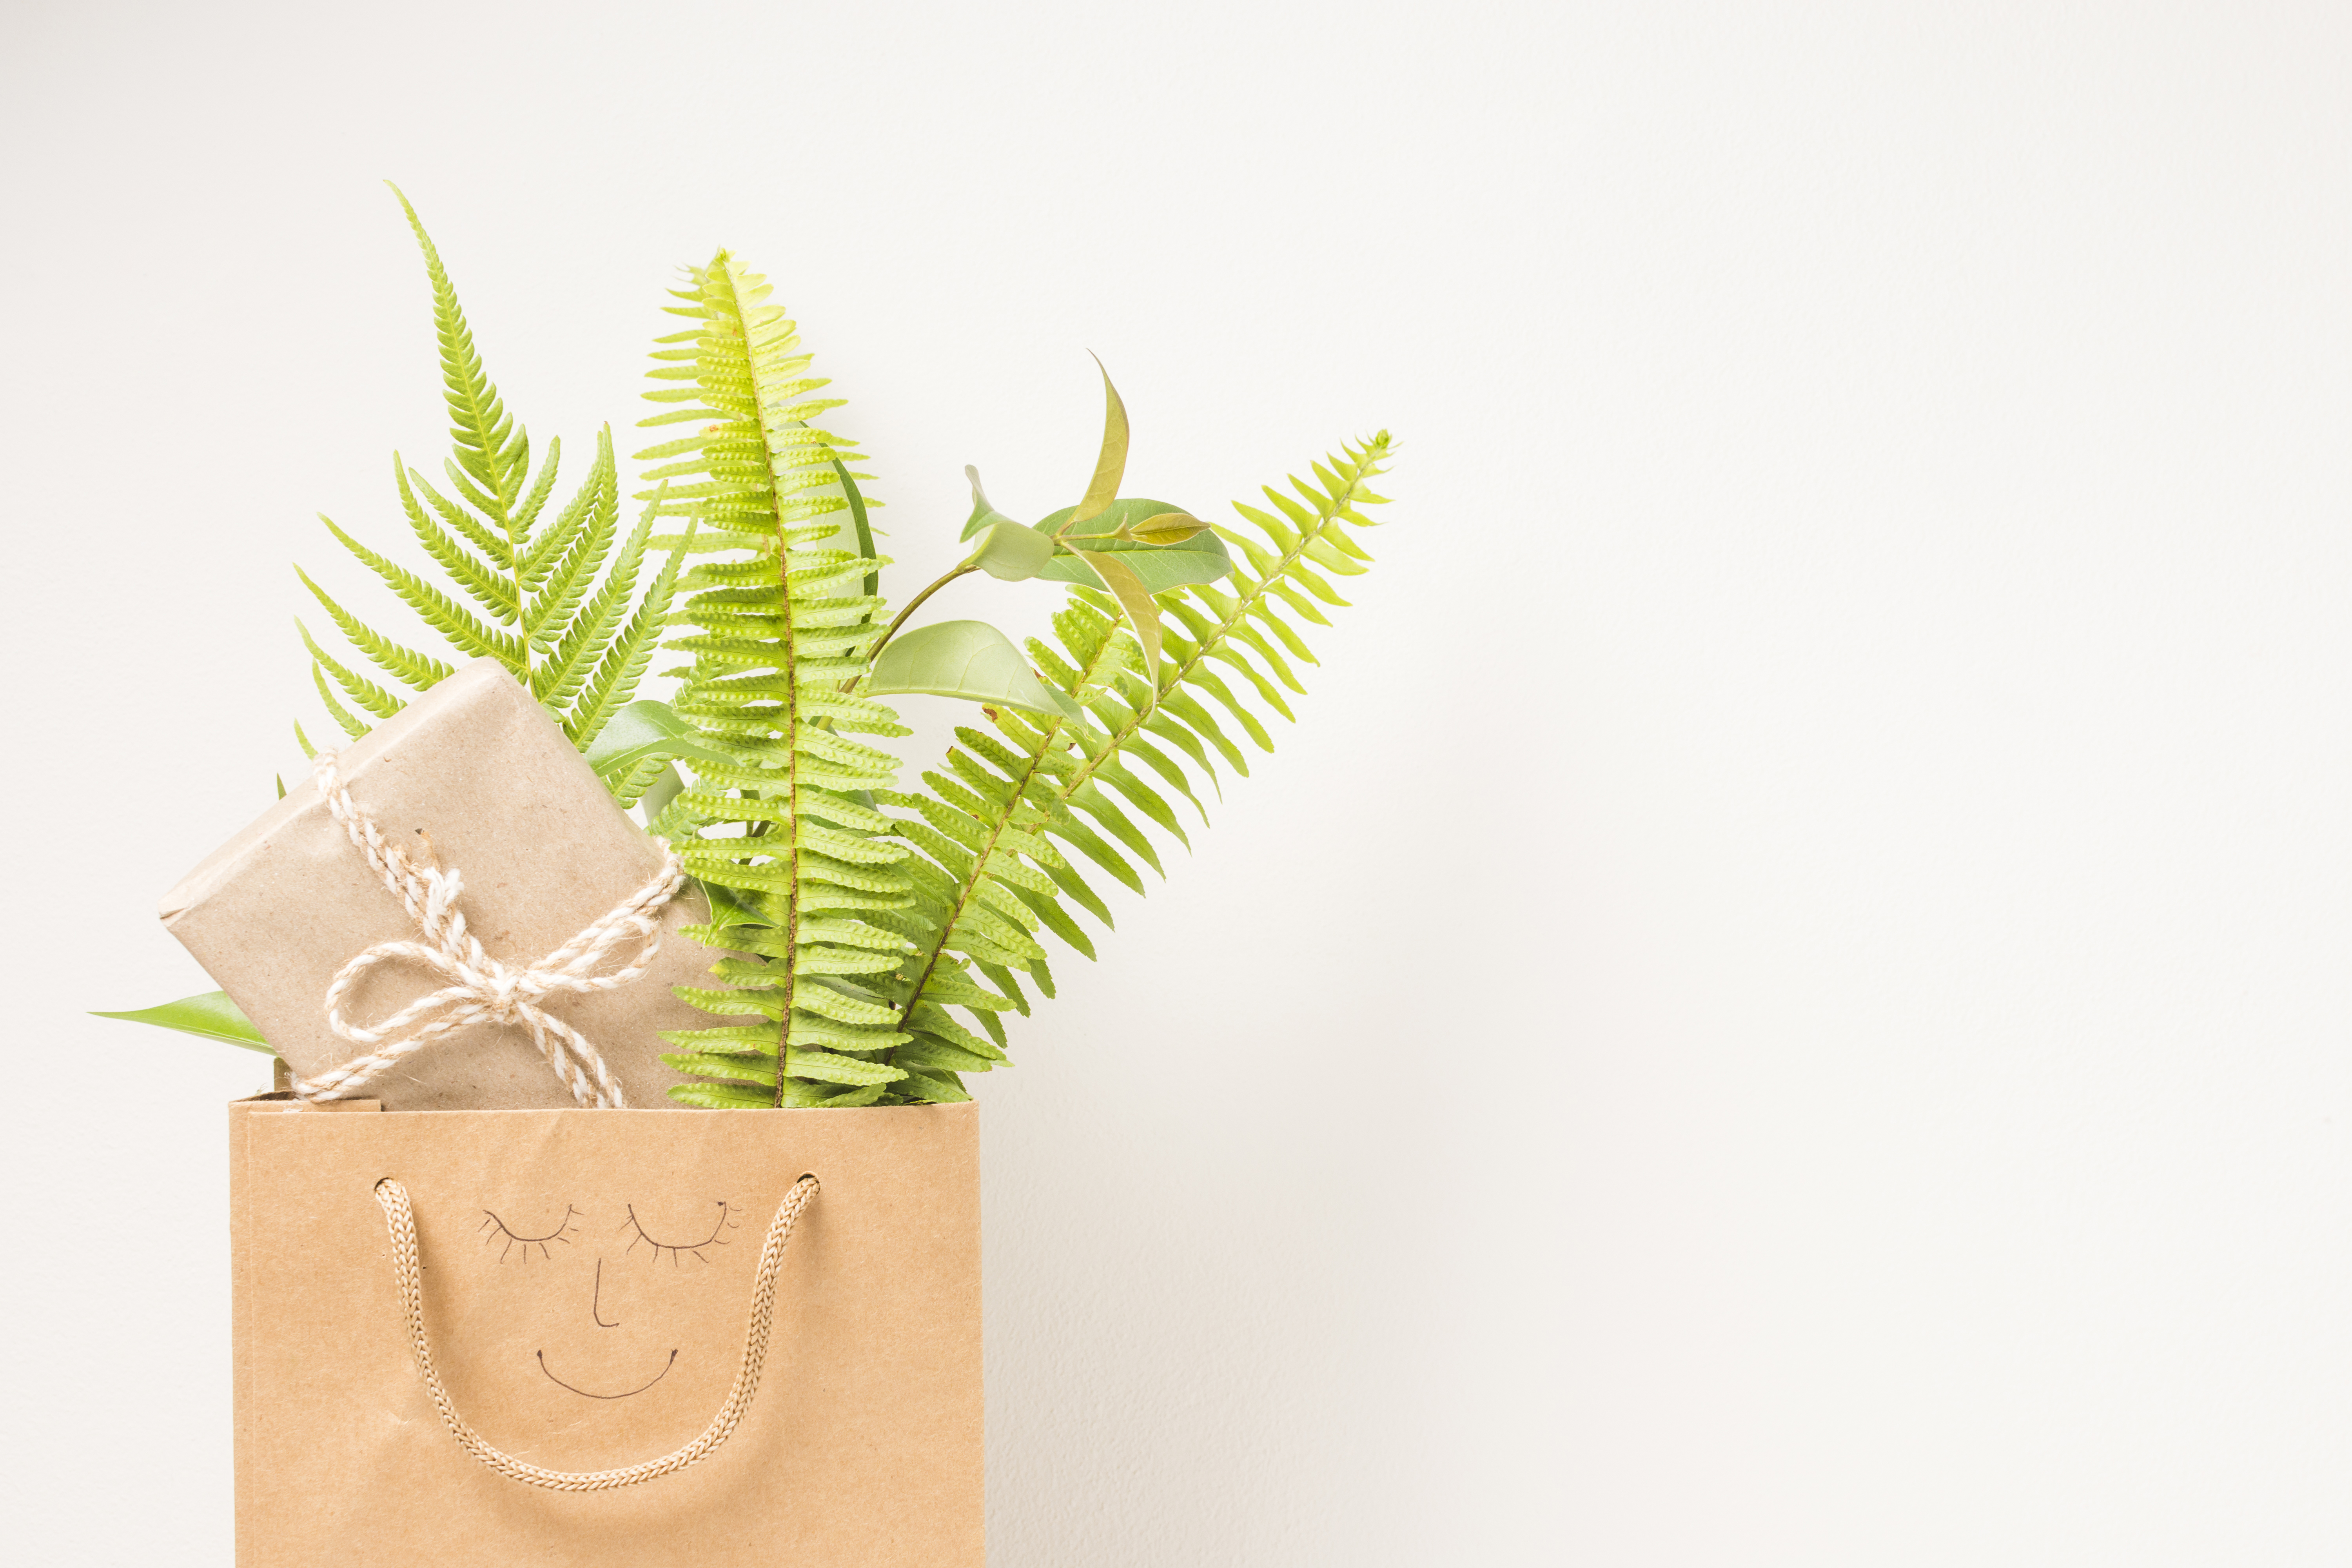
<point x="402" y="1224"/>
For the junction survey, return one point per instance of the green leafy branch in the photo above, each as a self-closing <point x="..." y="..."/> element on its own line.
<point x="555" y="600"/>
<point x="775" y="822"/>
<point x="789" y="656"/>
<point x="1130" y="548"/>
<point x="997" y="833"/>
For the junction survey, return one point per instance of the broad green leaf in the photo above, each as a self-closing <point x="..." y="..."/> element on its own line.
<point x="1135" y="599"/>
<point x="969" y="659"/>
<point x="729" y="908"/>
<point x="1200" y="558"/>
<point x="212" y="1014"/>
<point x="1112" y="466"/>
<point x="1112" y="521"/>
<point x="1012" y="552"/>
<point x="1158" y="567"/>
<point x="644" y="731"/>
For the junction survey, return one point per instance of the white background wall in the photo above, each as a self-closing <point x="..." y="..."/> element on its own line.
<point x="1785" y="1001"/>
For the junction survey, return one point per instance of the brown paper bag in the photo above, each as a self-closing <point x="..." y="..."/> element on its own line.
<point x="544" y="851"/>
<point x="586" y="1282"/>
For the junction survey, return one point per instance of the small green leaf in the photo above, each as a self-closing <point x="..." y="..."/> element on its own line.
<point x="1134" y="598"/>
<point x="939" y="1088"/>
<point x="212" y="1014"/>
<point x="729" y="909"/>
<point x="969" y="659"/>
<point x="708" y="1064"/>
<point x="722" y="1096"/>
<point x="667" y="788"/>
<point x="642" y="731"/>
<point x="929" y="1051"/>
<point x="984" y="515"/>
<point x="1168" y="528"/>
<point x="1012" y="552"/>
<point x="1200" y="558"/>
<point x="1112" y="466"/>
<point x="1112" y="521"/>
<point x="826" y="1067"/>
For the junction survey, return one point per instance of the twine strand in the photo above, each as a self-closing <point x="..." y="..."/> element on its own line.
<point x="402" y="1222"/>
<point x="481" y="987"/>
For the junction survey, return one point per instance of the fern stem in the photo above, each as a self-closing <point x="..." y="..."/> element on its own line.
<point x="784" y="772"/>
<point x="522" y="601"/>
<point x="788" y="851"/>
<point x="789" y="847"/>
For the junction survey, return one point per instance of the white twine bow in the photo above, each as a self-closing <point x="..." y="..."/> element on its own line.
<point x="480" y="989"/>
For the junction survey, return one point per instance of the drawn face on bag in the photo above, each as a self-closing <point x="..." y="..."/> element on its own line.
<point x="591" y="1310"/>
<point x="640" y="1269"/>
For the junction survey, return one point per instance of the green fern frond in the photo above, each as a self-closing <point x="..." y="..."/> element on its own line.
<point x="366" y="692"/>
<point x="595" y="498"/>
<point x="721" y="1096"/>
<point x="491" y="448"/>
<point x="772" y="637"/>
<point x="353" y="724"/>
<point x="461" y="629"/>
<point x="989" y="838"/>
<point x="582" y="634"/>
<point x="405" y="664"/>
<point x="562" y="574"/>
<point x="626" y="655"/>
<point x="481" y="581"/>
<point x="590" y="629"/>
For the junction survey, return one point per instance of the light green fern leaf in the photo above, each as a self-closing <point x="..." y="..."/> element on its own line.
<point x="776" y="811"/>
<point x="492" y="449"/>
<point x="581" y="635"/>
<point x="999" y="836"/>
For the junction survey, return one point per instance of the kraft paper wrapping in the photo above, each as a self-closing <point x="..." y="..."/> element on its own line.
<point x="610" y="1340"/>
<point x="544" y="851"/>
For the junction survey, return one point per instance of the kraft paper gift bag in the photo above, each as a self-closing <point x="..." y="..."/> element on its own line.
<point x="586" y="1286"/>
<point x="474" y="778"/>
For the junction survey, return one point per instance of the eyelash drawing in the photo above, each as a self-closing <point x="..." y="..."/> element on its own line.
<point x="497" y="1229"/>
<point x="728" y="1221"/>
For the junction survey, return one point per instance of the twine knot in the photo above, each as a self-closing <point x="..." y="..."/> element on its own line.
<point x="480" y="988"/>
<point x="503" y="992"/>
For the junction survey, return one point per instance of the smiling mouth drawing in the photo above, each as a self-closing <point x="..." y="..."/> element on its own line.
<point x="585" y="1393"/>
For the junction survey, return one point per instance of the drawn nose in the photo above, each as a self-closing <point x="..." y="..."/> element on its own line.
<point x="596" y="1300"/>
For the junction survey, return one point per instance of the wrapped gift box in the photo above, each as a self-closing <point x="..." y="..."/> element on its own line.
<point x="476" y="776"/>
